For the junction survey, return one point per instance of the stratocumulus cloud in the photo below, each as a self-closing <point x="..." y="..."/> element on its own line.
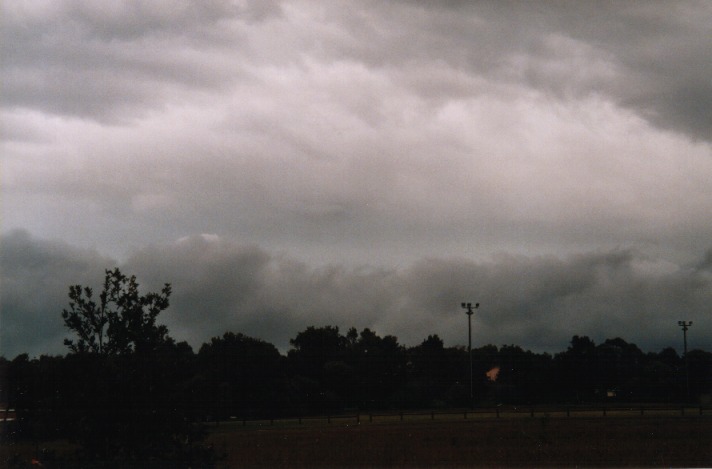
<point x="221" y="285"/>
<point x="350" y="150"/>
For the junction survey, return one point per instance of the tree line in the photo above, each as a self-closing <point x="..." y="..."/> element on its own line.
<point x="127" y="392"/>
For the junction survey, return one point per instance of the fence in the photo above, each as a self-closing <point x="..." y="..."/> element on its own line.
<point x="484" y="413"/>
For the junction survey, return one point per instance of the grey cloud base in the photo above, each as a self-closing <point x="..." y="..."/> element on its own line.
<point x="220" y="285"/>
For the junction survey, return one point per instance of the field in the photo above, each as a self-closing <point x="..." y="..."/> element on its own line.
<point x="523" y="441"/>
<point x="661" y="437"/>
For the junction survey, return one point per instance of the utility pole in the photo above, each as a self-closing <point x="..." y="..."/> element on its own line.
<point x="470" y="312"/>
<point x="685" y="326"/>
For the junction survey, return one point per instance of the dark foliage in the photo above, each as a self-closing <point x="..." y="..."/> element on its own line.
<point x="123" y="394"/>
<point x="122" y="322"/>
<point x="242" y="377"/>
<point x="129" y="396"/>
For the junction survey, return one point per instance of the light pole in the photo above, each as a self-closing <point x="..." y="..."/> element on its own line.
<point x="470" y="312"/>
<point x="685" y="326"/>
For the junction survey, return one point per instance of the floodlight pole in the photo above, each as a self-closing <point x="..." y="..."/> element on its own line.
<point x="685" y="326"/>
<point x="470" y="312"/>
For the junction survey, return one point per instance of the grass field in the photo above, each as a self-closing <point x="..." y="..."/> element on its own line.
<point x="541" y="441"/>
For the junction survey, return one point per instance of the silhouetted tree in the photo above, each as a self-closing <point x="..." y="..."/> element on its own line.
<point x="524" y="377"/>
<point x="380" y="364"/>
<point x="313" y="348"/>
<point x="429" y="374"/>
<point x="127" y="394"/>
<point x="122" y="322"/>
<point x="317" y="358"/>
<point x="576" y="370"/>
<point x="242" y="376"/>
<point x="660" y="377"/>
<point x="700" y="363"/>
<point x="619" y="368"/>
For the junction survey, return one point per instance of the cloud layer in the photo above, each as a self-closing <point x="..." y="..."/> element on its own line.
<point x="327" y="129"/>
<point x="221" y="285"/>
<point x="334" y="147"/>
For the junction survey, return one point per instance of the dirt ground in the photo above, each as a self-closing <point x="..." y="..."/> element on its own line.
<point x="649" y="441"/>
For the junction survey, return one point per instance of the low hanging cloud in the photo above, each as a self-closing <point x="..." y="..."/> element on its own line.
<point x="35" y="278"/>
<point x="222" y="285"/>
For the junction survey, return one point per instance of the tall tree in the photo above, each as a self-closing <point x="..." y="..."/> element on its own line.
<point x="314" y="347"/>
<point x="128" y="391"/>
<point x="122" y="321"/>
<point x="427" y="369"/>
<point x="241" y="376"/>
<point x="380" y="364"/>
<point x="576" y="370"/>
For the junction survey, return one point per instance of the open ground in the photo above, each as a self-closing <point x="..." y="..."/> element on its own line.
<point x="543" y="440"/>
<point x="621" y="437"/>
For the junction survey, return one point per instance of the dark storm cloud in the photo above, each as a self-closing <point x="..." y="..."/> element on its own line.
<point x="35" y="278"/>
<point x="535" y="302"/>
<point x="543" y="301"/>
<point x="659" y="49"/>
<point x="648" y="56"/>
<point x="222" y="285"/>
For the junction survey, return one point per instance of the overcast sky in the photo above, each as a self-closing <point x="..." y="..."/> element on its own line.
<point x="368" y="164"/>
